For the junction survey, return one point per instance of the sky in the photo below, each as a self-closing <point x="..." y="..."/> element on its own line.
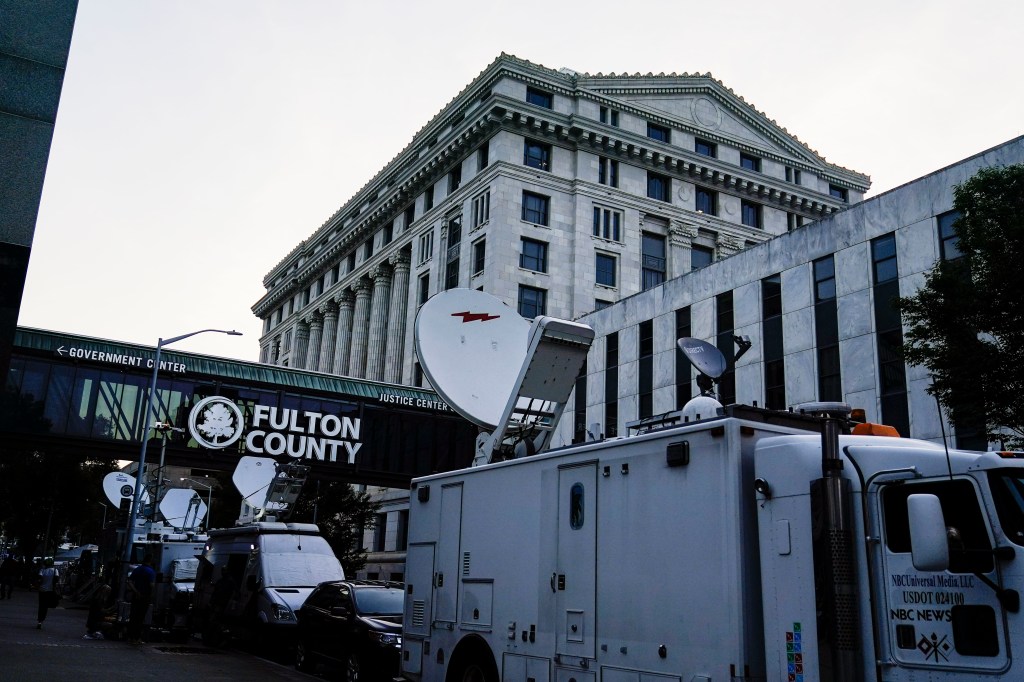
<point x="198" y="143"/>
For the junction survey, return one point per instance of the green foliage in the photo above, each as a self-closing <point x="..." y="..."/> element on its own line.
<point x="342" y="513"/>
<point x="966" y="324"/>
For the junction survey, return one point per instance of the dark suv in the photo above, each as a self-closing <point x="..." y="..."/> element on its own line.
<point x="354" y="623"/>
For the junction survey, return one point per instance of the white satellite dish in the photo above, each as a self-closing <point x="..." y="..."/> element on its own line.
<point x="118" y="486"/>
<point x="711" y="364"/>
<point x="471" y="347"/>
<point x="182" y="508"/>
<point x="252" y="479"/>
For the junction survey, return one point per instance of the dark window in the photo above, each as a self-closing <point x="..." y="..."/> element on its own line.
<point x="607" y="224"/>
<point x="751" y="214"/>
<point x="771" y="328"/>
<point x="454" y="234"/>
<point x="645" y="383"/>
<point x="403" y="533"/>
<point x="684" y="381"/>
<point x="658" y="186"/>
<point x="657" y="132"/>
<point x="750" y="162"/>
<point x="606" y="269"/>
<point x="609" y="116"/>
<point x="608" y="172"/>
<point x="579" y="412"/>
<point x="883" y="257"/>
<point x="889" y="335"/>
<point x="479" y="255"/>
<point x="351" y="262"/>
<point x="428" y="199"/>
<point x="652" y="270"/>
<point x="824" y="279"/>
<point x="368" y="248"/>
<point x="611" y="385"/>
<point x="700" y="256"/>
<point x="454" y="178"/>
<point x="705" y="148"/>
<point x="410" y="215"/>
<point x="451" y="274"/>
<point x="792" y="175"/>
<point x="826" y="330"/>
<point x="949" y="244"/>
<point x="576" y="506"/>
<point x="389" y="233"/>
<point x="600" y="304"/>
<point x="424" y="287"/>
<point x="837" y="192"/>
<point x="535" y="208"/>
<point x="724" y="342"/>
<point x="380" y="532"/>
<point x="532" y="301"/>
<point x="482" y="157"/>
<point x="539" y="97"/>
<point x="706" y="201"/>
<point x="537" y="154"/>
<point x="534" y="255"/>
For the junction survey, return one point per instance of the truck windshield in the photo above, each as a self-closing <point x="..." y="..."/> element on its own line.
<point x="298" y="561"/>
<point x="1008" y="494"/>
<point x="378" y="601"/>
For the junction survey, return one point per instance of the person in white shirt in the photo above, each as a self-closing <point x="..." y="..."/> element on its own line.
<point x="48" y="577"/>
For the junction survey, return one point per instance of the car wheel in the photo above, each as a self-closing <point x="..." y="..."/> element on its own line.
<point x="353" y="670"/>
<point x="303" y="658"/>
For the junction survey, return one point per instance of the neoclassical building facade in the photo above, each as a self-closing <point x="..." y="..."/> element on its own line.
<point x="559" y="192"/>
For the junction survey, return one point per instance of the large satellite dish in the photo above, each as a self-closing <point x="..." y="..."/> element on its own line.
<point x="471" y="347"/>
<point x="252" y="478"/>
<point x="118" y="486"/>
<point x="182" y="508"/>
<point x="706" y="358"/>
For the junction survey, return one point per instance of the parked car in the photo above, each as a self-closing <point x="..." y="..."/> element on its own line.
<point x="356" y="624"/>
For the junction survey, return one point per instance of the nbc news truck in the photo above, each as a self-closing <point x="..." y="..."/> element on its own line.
<point x="754" y="545"/>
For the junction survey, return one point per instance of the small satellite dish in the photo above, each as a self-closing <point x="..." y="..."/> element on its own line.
<point x="118" y="485"/>
<point x="252" y="478"/>
<point x="471" y="347"/>
<point x="705" y="357"/>
<point x="182" y="508"/>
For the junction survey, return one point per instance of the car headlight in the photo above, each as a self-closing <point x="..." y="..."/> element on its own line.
<point x="282" y="612"/>
<point x="385" y="638"/>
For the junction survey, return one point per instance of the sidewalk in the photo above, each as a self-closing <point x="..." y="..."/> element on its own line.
<point x="58" y="652"/>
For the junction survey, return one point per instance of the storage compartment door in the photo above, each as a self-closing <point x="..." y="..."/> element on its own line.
<point x="575" y="577"/>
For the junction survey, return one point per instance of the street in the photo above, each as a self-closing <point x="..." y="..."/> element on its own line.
<point x="58" y="652"/>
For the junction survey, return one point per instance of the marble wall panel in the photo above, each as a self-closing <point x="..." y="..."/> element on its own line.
<point x="801" y="380"/>
<point x="796" y="288"/>
<point x="857" y="358"/>
<point x="917" y="247"/>
<point x="798" y="330"/>
<point x="749" y="385"/>
<point x="924" y="411"/>
<point x="853" y="269"/>
<point x="746" y="304"/>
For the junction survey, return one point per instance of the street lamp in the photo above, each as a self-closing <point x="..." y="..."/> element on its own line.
<point x="209" y="497"/>
<point x="134" y="515"/>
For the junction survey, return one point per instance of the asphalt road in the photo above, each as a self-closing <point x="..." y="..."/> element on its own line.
<point x="57" y="652"/>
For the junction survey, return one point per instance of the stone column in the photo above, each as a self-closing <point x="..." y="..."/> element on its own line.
<point x="381" y="276"/>
<point x="726" y="246"/>
<point x="680" y="240"/>
<point x="299" y="345"/>
<point x="396" y="319"/>
<point x="360" y="329"/>
<point x="329" y="311"/>
<point x="344" y="343"/>
<point x="316" y="332"/>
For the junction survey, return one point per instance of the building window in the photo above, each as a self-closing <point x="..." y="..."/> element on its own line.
<point x="428" y="199"/>
<point x="706" y="201"/>
<point x="826" y="330"/>
<point x="535" y="208"/>
<point x="883" y="259"/>
<point x="424" y="293"/>
<point x="611" y="385"/>
<point x="426" y="247"/>
<point x="454" y="178"/>
<point x="540" y="98"/>
<point x="380" y="529"/>
<point x="481" y="210"/>
<point x="652" y="271"/>
<point x="700" y="256"/>
<point x="537" y="154"/>
<point x="410" y="215"/>
<point x="451" y="274"/>
<point x="350" y="261"/>
<point x="608" y="171"/>
<point x="949" y="244"/>
<point x="750" y="162"/>
<point x="838" y="192"/>
<point x="750" y="214"/>
<point x="479" y="255"/>
<point x="793" y="175"/>
<point x="658" y="186"/>
<point x="417" y="375"/>
<point x="389" y="234"/>
<point x="579" y="411"/>
<point x="705" y="148"/>
<point x="645" y="380"/>
<point x="368" y="248"/>
<point x="534" y="255"/>
<point x="608" y="224"/>
<point x="771" y="331"/>
<point x="684" y="380"/>
<point x="724" y="342"/>
<point x="532" y="301"/>
<point x="601" y="304"/>
<point x="482" y="157"/>
<point x="402" y="541"/>
<point x="606" y="266"/>
<point x="609" y="116"/>
<point x="889" y="334"/>
<point x="659" y="133"/>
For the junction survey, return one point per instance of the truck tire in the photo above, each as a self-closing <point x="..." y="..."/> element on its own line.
<point x="304" y="661"/>
<point x="352" y="668"/>
<point x="472" y="662"/>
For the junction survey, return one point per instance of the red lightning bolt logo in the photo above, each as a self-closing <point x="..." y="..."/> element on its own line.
<point x="473" y="317"/>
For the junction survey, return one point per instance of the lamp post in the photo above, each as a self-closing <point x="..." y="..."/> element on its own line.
<point x="209" y="497"/>
<point x="150" y="405"/>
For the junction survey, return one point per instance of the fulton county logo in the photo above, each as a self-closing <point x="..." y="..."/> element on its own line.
<point x="215" y="422"/>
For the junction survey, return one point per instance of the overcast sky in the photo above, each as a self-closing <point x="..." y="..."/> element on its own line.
<point x="197" y="143"/>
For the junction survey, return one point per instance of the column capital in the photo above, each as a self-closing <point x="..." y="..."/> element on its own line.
<point x="681" y="233"/>
<point x="363" y="287"/>
<point x="328" y="308"/>
<point x="381" y="274"/>
<point x="727" y="245"/>
<point x="400" y="260"/>
<point x="346" y="299"/>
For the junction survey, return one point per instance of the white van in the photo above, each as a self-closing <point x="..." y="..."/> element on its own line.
<point x="252" y="579"/>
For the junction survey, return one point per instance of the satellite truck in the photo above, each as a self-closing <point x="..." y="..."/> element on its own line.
<point x="714" y="544"/>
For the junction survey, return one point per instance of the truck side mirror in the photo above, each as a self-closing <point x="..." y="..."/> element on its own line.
<point x="928" y="544"/>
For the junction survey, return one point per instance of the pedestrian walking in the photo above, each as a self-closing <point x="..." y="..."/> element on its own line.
<point x="140" y="586"/>
<point x="98" y="610"/>
<point x="48" y="581"/>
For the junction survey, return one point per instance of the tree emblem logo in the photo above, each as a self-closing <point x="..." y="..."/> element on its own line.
<point x="215" y="422"/>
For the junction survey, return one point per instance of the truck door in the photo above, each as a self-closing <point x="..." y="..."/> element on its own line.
<point x="446" y="575"/>
<point x="575" y="580"/>
<point x="940" y="620"/>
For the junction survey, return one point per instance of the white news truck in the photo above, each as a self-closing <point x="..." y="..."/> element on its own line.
<point x="751" y="546"/>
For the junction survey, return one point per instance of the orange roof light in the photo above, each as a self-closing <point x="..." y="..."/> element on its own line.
<point x="869" y="429"/>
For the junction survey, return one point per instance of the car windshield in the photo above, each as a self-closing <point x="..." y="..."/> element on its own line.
<point x="1008" y="493"/>
<point x="379" y="601"/>
<point x="298" y="561"/>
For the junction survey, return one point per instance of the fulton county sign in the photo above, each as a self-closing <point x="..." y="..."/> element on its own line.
<point x="217" y="422"/>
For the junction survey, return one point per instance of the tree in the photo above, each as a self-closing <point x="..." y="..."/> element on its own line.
<point x="966" y="324"/>
<point x="342" y="513"/>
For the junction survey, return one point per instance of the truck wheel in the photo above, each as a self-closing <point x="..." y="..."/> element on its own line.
<point x="476" y="669"/>
<point x="352" y="670"/>
<point x="303" y="659"/>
